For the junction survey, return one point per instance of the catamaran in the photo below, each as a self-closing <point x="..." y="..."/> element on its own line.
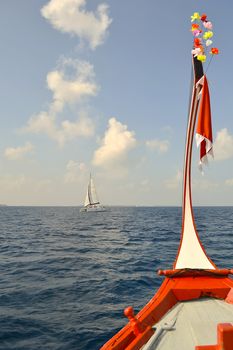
<point x="193" y="308"/>
<point x="91" y="201"/>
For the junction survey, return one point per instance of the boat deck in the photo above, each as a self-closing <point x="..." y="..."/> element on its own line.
<point x="189" y="324"/>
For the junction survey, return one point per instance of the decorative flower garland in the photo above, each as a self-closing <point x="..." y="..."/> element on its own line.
<point x="201" y="40"/>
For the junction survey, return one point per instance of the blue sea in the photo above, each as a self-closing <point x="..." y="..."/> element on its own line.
<point x="66" y="276"/>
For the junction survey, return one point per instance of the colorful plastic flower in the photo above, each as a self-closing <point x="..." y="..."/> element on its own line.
<point x="214" y="51"/>
<point x="197" y="42"/>
<point x="208" y="25"/>
<point x="201" y="58"/>
<point x="203" y="17"/>
<point x="195" y="16"/>
<point x="202" y="40"/>
<point x="195" y="26"/>
<point x="208" y="42"/>
<point x="197" y="32"/>
<point x="208" y="35"/>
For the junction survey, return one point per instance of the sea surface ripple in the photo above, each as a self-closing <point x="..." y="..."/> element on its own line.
<point x="66" y="276"/>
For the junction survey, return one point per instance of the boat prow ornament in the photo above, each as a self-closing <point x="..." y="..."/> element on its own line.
<point x="195" y="286"/>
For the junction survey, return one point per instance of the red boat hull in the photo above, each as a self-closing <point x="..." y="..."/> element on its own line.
<point x="173" y="290"/>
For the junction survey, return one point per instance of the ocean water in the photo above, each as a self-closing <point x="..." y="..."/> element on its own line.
<point x="66" y="276"/>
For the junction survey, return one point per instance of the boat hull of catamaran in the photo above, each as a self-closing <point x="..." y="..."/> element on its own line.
<point x="92" y="209"/>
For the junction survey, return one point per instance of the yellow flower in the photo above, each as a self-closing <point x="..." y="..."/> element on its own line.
<point x="208" y="35"/>
<point x="195" y="16"/>
<point x="201" y="58"/>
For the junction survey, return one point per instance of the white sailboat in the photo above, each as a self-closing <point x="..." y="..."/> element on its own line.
<point x="91" y="201"/>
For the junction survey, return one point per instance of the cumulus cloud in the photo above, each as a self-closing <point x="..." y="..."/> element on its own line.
<point x="223" y="145"/>
<point x="71" y="16"/>
<point x="115" y="145"/>
<point x="160" y="146"/>
<point x="144" y="182"/>
<point x="229" y="182"/>
<point x="72" y="82"/>
<point x="84" y="126"/>
<point x="41" y="185"/>
<point x="74" y="170"/>
<point x="65" y="131"/>
<point x="24" y="185"/>
<point x="16" y="153"/>
<point x="11" y="183"/>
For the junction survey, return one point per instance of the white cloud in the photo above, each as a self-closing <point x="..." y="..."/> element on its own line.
<point x="144" y="186"/>
<point x="229" y="182"/>
<point x="65" y="131"/>
<point x="70" y="16"/>
<point x="144" y="182"/>
<point x="70" y="84"/>
<point x="42" y="185"/>
<point x="223" y="145"/>
<point x="161" y="146"/>
<point x="174" y="182"/>
<point x="74" y="170"/>
<point x="24" y="190"/>
<point x="115" y="144"/>
<point x="83" y="127"/>
<point x="11" y="183"/>
<point x="42" y="122"/>
<point x="16" y="153"/>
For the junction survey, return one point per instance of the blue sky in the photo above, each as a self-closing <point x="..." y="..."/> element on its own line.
<point x="103" y="86"/>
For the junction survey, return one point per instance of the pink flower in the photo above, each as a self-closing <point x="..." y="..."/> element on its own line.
<point x="197" y="32"/>
<point x="208" y="25"/>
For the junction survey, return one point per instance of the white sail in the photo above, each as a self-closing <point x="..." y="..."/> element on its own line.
<point x="91" y="201"/>
<point x="87" y="201"/>
<point x="92" y="192"/>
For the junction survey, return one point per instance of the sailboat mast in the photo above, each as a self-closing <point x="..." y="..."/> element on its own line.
<point x="89" y="190"/>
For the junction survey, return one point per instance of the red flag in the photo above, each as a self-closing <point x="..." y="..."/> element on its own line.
<point x="204" y="127"/>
